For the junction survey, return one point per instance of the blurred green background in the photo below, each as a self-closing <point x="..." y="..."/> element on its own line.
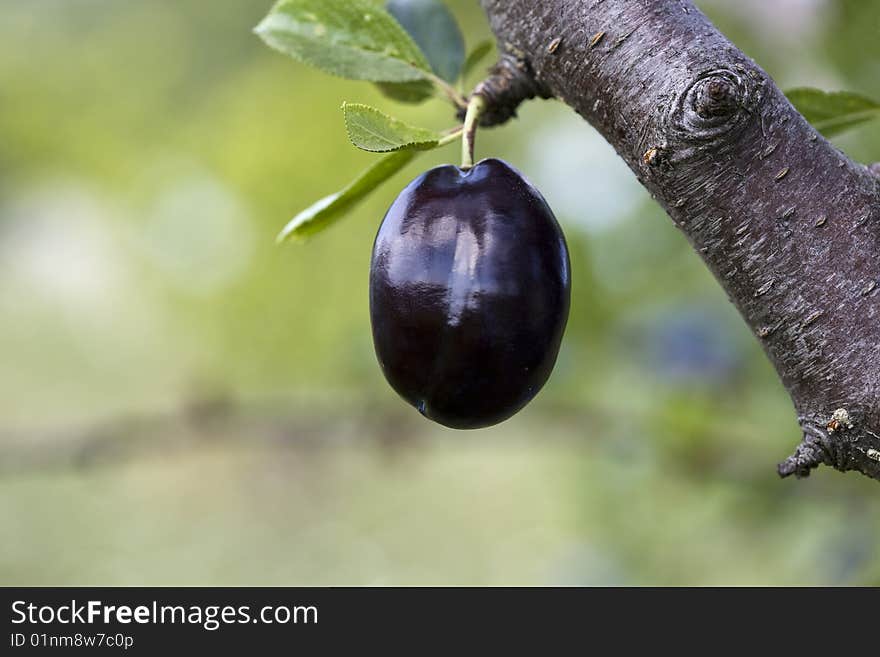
<point x="183" y="402"/>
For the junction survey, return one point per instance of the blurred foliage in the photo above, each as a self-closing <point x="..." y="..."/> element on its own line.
<point x="150" y="153"/>
<point x="835" y="112"/>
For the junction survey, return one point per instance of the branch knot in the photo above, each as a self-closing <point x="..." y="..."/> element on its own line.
<point x="715" y="105"/>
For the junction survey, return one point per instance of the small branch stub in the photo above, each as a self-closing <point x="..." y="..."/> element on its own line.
<point x="510" y="82"/>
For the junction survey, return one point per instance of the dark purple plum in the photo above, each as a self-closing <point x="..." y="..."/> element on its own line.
<point x="469" y="293"/>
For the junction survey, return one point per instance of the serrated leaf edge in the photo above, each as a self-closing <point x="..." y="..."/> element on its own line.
<point x="421" y="145"/>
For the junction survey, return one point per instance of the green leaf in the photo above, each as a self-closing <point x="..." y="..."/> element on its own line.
<point x="408" y="92"/>
<point x="353" y="39"/>
<point x="330" y="208"/>
<point x="371" y="130"/>
<point x="475" y="57"/>
<point x="833" y="112"/>
<point x="433" y="28"/>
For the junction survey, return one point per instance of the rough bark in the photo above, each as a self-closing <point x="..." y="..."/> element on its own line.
<point x="787" y="223"/>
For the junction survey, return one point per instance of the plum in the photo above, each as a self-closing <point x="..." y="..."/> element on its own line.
<point x="470" y="287"/>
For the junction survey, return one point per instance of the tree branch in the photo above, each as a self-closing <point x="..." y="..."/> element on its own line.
<point x="788" y="224"/>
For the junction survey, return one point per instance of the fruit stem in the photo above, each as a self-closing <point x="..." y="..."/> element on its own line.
<point x="475" y="108"/>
